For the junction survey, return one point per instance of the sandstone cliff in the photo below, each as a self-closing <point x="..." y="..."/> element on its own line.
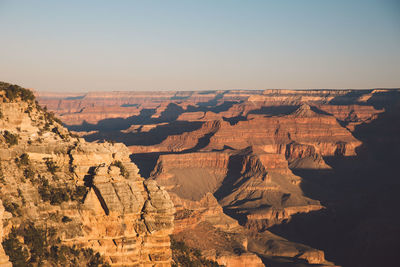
<point x="4" y="260"/>
<point x="89" y="196"/>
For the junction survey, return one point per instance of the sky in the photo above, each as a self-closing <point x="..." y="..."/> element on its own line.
<point x="80" y="46"/>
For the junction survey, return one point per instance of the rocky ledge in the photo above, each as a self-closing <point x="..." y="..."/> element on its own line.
<point x="83" y="203"/>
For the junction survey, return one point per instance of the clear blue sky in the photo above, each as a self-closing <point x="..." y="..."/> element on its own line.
<point x="198" y="45"/>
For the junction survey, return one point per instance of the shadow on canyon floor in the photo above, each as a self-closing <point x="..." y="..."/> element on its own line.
<point x="152" y="137"/>
<point x="169" y="115"/>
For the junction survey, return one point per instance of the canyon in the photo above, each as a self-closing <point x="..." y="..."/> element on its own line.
<point x="241" y="177"/>
<point x="294" y="165"/>
<point x="261" y="177"/>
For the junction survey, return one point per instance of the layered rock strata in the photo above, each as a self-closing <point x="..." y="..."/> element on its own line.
<point x="263" y="192"/>
<point x="75" y="109"/>
<point x="90" y="193"/>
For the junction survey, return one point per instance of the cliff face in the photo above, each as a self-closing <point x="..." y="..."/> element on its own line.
<point x="273" y="134"/>
<point x="261" y="190"/>
<point x="192" y="175"/>
<point x="4" y="260"/>
<point x="89" y="195"/>
<point x="253" y="187"/>
<point x="249" y="183"/>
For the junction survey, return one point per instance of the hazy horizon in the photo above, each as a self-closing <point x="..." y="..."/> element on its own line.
<point x="81" y="93"/>
<point x="200" y="45"/>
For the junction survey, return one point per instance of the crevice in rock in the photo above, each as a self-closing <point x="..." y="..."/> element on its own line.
<point x="101" y="200"/>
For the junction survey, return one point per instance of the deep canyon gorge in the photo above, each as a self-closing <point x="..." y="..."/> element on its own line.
<point x="235" y="177"/>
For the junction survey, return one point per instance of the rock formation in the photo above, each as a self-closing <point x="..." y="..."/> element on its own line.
<point x="4" y="260"/>
<point x="239" y="164"/>
<point x="90" y="193"/>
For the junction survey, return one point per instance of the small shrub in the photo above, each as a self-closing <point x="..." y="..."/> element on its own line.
<point x="79" y="193"/>
<point x="183" y="255"/>
<point x="52" y="194"/>
<point x="182" y="214"/>
<point x="66" y="219"/>
<point x="29" y="173"/>
<point x="13" y="92"/>
<point x="12" y="207"/>
<point x="50" y="117"/>
<point x="44" y="193"/>
<point x="51" y="166"/>
<point x="57" y="196"/>
<point x="23" y="160"/>
<point x="42" y="247"/>
<point x="29" y="109"/>
<point x="36" y="239"/>
<point x="11" y="139"/>
<point x="57" y="131"/>
<point x="15" y="250"/>
<point x="46" y="127"/>
<point x="109" y="141"/>
<point x="26" y="95"/>
<point x="2" y="179"/>
<point x="123" y="170"/>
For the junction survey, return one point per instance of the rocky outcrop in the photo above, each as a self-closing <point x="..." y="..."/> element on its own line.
<point x="262" y="180"/>
<point x="130" y="218"/>
<point x="261" y="190"/>
<point x="275" y="132"/>
<point x="226" y="248"/>
<point x="191" y="176"/>
<point x="270" y="245"/>
<point x="95" y="114"/>
<point x="303" y="156"/>
<point x="187" y="141"/>
<point x="90" y="194"/>
<point x="189" y="214"/>
<point x="197" y="223"/>
<point x="351" y="113"/>
<point x="4" y="261"/>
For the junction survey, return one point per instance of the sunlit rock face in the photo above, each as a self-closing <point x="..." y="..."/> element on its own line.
<point x="90" y="194"/>
<point x="4" y="260"/>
